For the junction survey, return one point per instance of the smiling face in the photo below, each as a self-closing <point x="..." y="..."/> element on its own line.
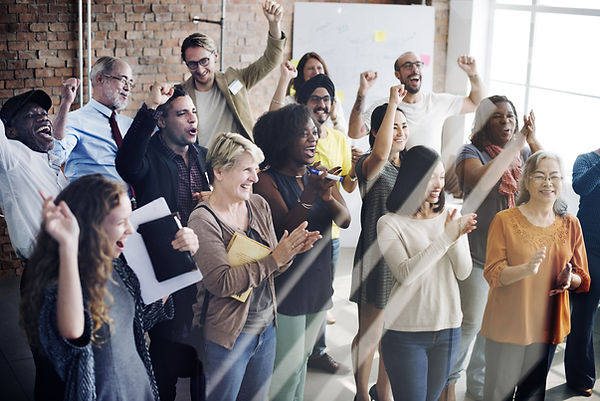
<point x="435" y="185"/>
<point x="312" y="67"/>
<point x="236" y="182"/>
<point x="319" y="102"/>
<point x="110" y="89"/>
<point x="502" y="124"/>
<point x="117" y="227"/>
<point x="545" y="183"/>
<point x="409" y="74"/>
<point x="32" y="126"/>
<point x="179" y="125"/>
<point x="204" y="76"/>
<point x="303" y="147"/>
<point x="400" y="132"/>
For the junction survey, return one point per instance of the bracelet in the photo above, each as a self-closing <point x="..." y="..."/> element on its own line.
<point x="473" y="76"/>
<point x="307" y="206"/>
<point x="277" y="102"/>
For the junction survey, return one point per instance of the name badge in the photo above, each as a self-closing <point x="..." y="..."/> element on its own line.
<point x="235" y="87"/>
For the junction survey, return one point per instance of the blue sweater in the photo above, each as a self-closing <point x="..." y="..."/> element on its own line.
<point x="586" y="183"/>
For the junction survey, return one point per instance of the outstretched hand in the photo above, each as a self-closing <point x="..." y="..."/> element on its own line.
<point x="397" y="93"/>
<point x="273" y="11"/>
<point x="60" y="222"/>
<point x="159" y="94"/>
<point x="528" y="129"/>
<point x="563" y="280"/>
<point x="467" y="64"/>
<point x="185" y="240"/>
<point x="68" y="90"/>
<point x="367" y="79"/>
<point x="459" y="225"/>
<point x="288" y="71"/>
<point x="298" y="241"/>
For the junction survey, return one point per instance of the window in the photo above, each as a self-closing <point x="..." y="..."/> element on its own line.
<point x="544" y="57"/>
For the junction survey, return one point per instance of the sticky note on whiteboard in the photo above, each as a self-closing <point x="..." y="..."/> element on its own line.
<point x="426" y="59"/>
<point x="379" y="36"/>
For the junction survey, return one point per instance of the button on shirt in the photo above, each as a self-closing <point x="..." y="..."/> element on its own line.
<point x="190" y="180"/>
<point x="23" y="172"/>
<point x="89" y="146"/>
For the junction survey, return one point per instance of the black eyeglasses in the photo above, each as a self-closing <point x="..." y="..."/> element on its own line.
<point x="317" y="99"/>
<point x="409" y="66"/>
<point x="192" y="65"/>
<point x="124" y="80"/>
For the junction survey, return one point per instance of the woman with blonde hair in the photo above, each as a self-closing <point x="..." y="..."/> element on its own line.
<point x="239" y="333"/>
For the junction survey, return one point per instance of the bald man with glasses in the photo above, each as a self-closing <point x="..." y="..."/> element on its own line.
<point x="221" y="98"/>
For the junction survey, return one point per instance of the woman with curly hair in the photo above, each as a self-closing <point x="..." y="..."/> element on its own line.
<point x="81" y="303"/>
<point x="288" y="138"/>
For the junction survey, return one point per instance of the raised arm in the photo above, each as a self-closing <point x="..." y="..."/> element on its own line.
<point x="356" y="125"/>
<point x="375" y="161"/>
<point x="62" y="225"/>
<point x="273" y="13"/>
<point x="131" y="162"/>
<point x="288" y="72"/>
<point x="469" y="66"/>
<point x="68" y="93"/>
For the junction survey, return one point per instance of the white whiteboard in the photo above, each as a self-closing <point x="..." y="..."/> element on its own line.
<point x="353" y="38"/>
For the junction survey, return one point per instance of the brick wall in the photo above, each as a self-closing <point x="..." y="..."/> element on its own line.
<point x="38" y="45"/>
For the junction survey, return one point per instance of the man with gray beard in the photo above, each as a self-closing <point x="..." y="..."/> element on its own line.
<point x="94" y="132"/>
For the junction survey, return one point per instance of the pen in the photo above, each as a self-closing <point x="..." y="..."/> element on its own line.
<point x="328" y="176"/>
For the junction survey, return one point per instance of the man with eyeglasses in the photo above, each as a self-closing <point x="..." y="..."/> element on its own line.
<point x="332" y="151"/>
<point x="221" y="98"/>
<point x="94" y="132"/>
<point x="425" y="112"/>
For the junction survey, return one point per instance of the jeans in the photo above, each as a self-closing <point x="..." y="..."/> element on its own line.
<point x="418" y="363"/>
<point x="296" y="337"/>
<point x="473" y="297"/>
<point x="510" y="366"/>
<point x="243" y="372"/>
<point x="579" y="354"/>
<point x="320" y="345"/>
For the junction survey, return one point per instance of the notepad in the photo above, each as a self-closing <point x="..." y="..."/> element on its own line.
<point x="243" y="250"/>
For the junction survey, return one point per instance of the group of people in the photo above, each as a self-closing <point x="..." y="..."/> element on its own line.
<point x="427" y="281"/>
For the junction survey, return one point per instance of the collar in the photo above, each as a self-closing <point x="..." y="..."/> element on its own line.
<point x="107" y="111"/>
<point x="192" y="151"/>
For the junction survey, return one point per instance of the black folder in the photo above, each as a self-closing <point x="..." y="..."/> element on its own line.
<point x="166" y="261"/>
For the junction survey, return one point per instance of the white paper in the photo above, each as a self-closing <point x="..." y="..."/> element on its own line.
<point x="138" y="259"/>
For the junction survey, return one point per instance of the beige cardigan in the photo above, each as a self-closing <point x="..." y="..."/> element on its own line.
<point x="239" y="103"/>
<point x="226" y="316"/>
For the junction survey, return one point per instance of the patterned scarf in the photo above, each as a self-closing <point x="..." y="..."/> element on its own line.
<point x="509" y="182"/>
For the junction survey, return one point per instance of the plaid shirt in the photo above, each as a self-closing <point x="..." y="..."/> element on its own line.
<point x="191" y="180"/>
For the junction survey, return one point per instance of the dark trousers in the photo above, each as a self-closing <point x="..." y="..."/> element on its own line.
<point x="579" y="354"/>
<point x="172" y="360"/>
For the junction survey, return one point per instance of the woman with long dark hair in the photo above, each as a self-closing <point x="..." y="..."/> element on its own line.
<point x="371" y="279"/>
<point x="81" y="302"/>
<point x="426" y="249"/>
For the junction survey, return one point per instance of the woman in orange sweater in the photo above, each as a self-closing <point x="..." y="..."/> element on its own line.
<point x="535" y="253"/>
